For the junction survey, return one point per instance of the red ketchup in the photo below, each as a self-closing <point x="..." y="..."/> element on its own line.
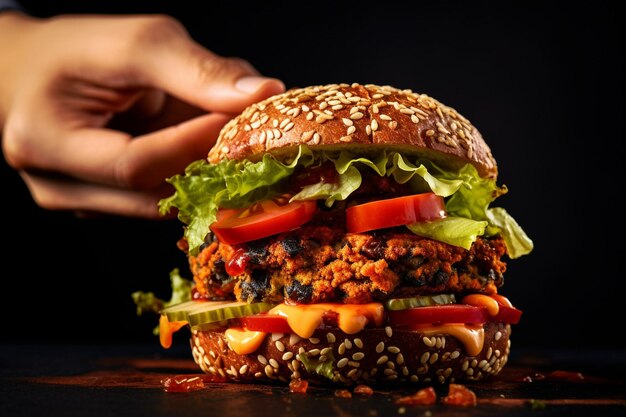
<point x="237" y="264"/>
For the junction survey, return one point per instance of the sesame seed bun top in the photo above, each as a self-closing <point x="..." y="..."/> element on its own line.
<point x="339" y="116"/>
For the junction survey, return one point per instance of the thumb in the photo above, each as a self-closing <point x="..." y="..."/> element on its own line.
<point x="198" y="76"/>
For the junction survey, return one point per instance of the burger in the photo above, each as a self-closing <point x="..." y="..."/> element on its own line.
<point x="344" y="234"/>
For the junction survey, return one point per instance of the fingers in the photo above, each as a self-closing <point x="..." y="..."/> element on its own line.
<point x="114" y="158"/>
<point x="170" y="60"/>
<point x="68" y="194"/>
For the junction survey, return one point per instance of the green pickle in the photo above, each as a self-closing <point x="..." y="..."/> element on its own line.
<point x="419" y="301"/>
<point x="199" y="314"/>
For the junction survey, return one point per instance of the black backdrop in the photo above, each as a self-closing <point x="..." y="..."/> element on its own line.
<point x="544" y="84"/>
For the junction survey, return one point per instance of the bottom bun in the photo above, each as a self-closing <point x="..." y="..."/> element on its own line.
<point x="373" y="356"/>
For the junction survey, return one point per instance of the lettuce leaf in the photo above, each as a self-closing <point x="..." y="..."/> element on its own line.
<point x="147" y="302"/>
<point x="457" y="231"/>
<point x="235" y="184"/>
<point x="517" y="241"/>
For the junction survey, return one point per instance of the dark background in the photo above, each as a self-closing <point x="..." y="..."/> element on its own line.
<point x="543" y="83"/>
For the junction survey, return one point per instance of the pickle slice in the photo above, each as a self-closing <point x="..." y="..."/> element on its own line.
<point x="230" y="310"/>
<point x="180" y="312"/>
<point x="419" y="301"/>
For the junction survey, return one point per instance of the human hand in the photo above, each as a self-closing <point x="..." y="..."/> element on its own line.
<point x="86" y="102"/>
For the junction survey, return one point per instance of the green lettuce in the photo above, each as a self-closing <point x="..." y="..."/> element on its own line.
<point x="457" y="231"/>
<point x="314" y="365"/>
<point x="147" y="302"/>
<point x="517" y="241"/>
<point x="236" y="184"/>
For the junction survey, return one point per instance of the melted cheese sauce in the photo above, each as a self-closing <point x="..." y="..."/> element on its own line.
<point x="352" y="318"/>
<point x="471" y="336"/>
<point x="243" y="341"/>
<point x="167" y="329"/>
<point x="480" y="300"/>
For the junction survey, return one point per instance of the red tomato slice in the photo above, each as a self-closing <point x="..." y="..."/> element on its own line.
<point x="508" y="315"/>
<point x="262" y="219"/>
<point x="266" y="323"/>
<point x="395" y="212"/>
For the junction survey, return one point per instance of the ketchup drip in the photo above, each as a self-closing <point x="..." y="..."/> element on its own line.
<point x="238" y="263"/>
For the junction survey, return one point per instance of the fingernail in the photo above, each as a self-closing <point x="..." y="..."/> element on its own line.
<point x="249" y="84"/>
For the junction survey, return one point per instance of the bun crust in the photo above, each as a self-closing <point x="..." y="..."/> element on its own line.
<point x="341" y="115"/>
<point x="373" y="356"/>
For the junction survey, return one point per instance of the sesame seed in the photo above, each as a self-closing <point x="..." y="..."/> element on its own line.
<point x="329" y="113"/>
<point x="314" y="340"/>
<point x="309" y="116"/>
<point x="306" y="136"/>
<point x="305" y="108"/>
<point x="346" y="139"/>
<point x="356" y="116"/>
<point x="293" y="339"/>
<point x="284" y="123"/>
<point x="405" y="371"/>
<point x="433" y="358"/>
<point x="274" y="363"/>
<point x="270" y="134"/>
<point x="414" y="378"/>
<point x="348" y="343"/>
<point x="280" y="346"/>
<point x="393" y="125"/>
<point x="352" y="373"/>
<point x="323" y="358"/>
<point x="430" y="132"/>
<point x="368" y="130"/>
<point x="243" y="369"/>
<point x="247" y="128"/>
<point x="498" y="335"/>
<point x="255" y="125"/>
<point x="334" y="102"/>
<point x="400" y="359"/>
<point x="354" y="110"/>
<point x="373" y="371"/>
<point x="438" y="343"/>
<point x="390" y="372"/>
<point x="406" y="111"/>
<point x="415" y="119"/>
<point x="337" y="107"/>
<point x="296" y="375"/>
<point x="295" y="364"/>
<point x="393" y="349"/>
<point x="380" y="347"/>
<point x="269" y="371"/>
<point x="382" y="360"/>
<point x="323" y="105"/>
<point x="455" y="354"/>
<point x="374" y="125"/>
<point x="388" y="331"/>
<point x="375" y="109"/>
<point x="377" y="96"/>
<point x="342" y="348"/>
<point x="391" y="365"/>
<point x="319" y="119"/>
<point x="342" y="362"/>
<point x="385" y="117"/>
<point x="351" y="130"/>
<point x="497" y="353"/>
<point x="224" y="150"/>
<point x="358" y="356"/>
<point x="277" y="133"/>
<point x="262" y="359"/>
<point x="287" y="356"/>
<point x="359" y="343"/>
<point x="483" y="364"/>
<point x="330" y="338"/>
<point x="424" y="357"/>
<point x="314" y="352"/>
<point x="354" y="364"/>
<point x="441" y="379"/>
<point x="289" y="126"/>
<point x="326" y="351"/>
<point x="473" y="363"/>
<point x="280" y="107"/>
<point x="489" y="353"/>
<point x="438" y="110"/>
<point x="347" y="122"/>
<point x="470" y="371"/>
<point x="264" y="119"/>
<point x="428" y="342"/>
<point x="258" y="375"/>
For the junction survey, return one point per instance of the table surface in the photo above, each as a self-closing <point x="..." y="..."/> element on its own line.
<point x="58" y="380"/>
